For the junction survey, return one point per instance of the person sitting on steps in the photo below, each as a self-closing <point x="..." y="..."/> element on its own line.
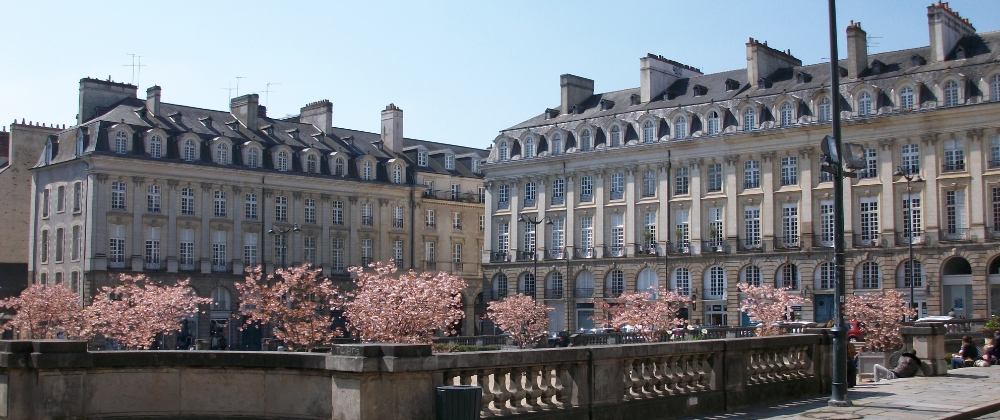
<point x="993" y="350"/>
<point x="908" y="366"/>
<point x="967" y="356"/>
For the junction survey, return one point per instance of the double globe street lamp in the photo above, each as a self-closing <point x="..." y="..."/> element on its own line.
<point x="909" y="175"/>
<point x="534" y="253"/>
<point x="283" y="233"/>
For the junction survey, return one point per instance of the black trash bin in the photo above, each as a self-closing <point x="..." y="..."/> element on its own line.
<point x="458" y="402"/>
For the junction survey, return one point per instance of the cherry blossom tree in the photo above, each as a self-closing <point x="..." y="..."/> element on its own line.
<point x="768" y="305"/>
<point x="520" y="316"/>
<point x="136" y="310"/>
<point x="44" y="312"/>
<point x="881" y="315"/>
<point x="296" y="302"/>
<point x="406" y="307"/>
<point x="648" y="315"/>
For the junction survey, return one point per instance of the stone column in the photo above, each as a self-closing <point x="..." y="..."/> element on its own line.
<point x="352" y="251"/>
<point x="730" y="223"/>
<point x="490" y="210"/>
<point x="324" y="252"/>
<point x="138" y="208"/>
<point x="889" y="205"/>
<point x="630" y="222"/>
<point x="809" y="177"/>
<point x="169" y="240"/>
<point x="695" y="212"/>
<point x="977" y="226"/>
<point x="541" y="202"/>
<point x="569" y="226"/>
<point x="515" y="224"/>
<point x="207" y="212"/>
<point x="238" y="216"/>
<point x="663" y="218"/>
<point x="771" y="181"/>
<point x="600" y="197"/>
<point x="929" y="171"/>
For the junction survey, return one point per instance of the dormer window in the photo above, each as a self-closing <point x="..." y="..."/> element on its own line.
<point x="222" y="154"/>
<point x="422" y="158"/>
<point x="121" y="142"/>
<point x="253" y="157"/>
<point x="763" y="83"/>
<point x="311" y="164"/>
<point x="577" y="109"/>
<point x="501" y="150"/>
<point x="294" y="134"/>
<point x="635" y="99"/>
<point x="917" y="60"/>
<point x="960" y="53"/>
<point x="366" y="170"/>
<point x="529" y="147"/>
<point x="397" y="174"/>
<point x="803" y="77"/>
<point x="338" y="167"/>
<point x="190" y="152"/>
<point x="281" y="163"/>
<point x="877" y="67"/>
<point x="207" y="122"/>
<point x="551" y="113"/>
<point x="700" y="90"/>
<point x="449" y="162"/>
<point x="175" y="117"/>
<point x="155" y="147"/>
<point x="233" y="126"/>
<point x="269" y="130"/>
<point x="474" y="163"/>
<point x="732" y="85"/>
<point x="606" y="104"/>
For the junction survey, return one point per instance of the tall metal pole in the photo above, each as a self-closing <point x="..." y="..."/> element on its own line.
<point x="909" y="227"/>
<point x="838" y="396"/>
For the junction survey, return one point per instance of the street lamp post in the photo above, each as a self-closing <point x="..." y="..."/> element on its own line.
<point x="283" y="233"/>
<point x="534" y="253"/>
<point x="909" y="176"/>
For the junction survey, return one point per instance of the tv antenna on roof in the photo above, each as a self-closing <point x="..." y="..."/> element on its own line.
<point x="267" y="92"/>
<point x="230" y="89"/>
<point x="136" y="67"/>
<point x="870" y="42"/>
<point x="238" y="85"/>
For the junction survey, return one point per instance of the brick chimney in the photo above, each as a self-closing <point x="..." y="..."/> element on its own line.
<point x="946" y="28"/>
<point x="96" y="96"/>
<point x="245" y="109"/>
<point x="319" y="114"/>
<point x="153" y="101"/>
<point x="392" y="128"/>
<point x="657" y="73"/>
<point x="574" y="90"/>
<point x="857" y="50"/>
<point x="762" y="60"/>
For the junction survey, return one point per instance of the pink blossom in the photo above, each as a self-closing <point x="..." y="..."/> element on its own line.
<point x="640" y="310"/>
<point x="44" y="311"/>
<point x="768" y="305"/>
<point x="520" y="316"/>
<point x="881" y="315"/>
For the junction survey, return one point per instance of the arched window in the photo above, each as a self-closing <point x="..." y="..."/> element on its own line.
<point x="222" y="154"/>
<point x="715" y="283"/>
<point x="366" y="173"/>
<point x="338" y="167"/>
<point x="826" y="276"/>
<point x="680" y="128"/>
<point x="585" y="140"/>
<point x="903" y="274"/>
<point x="749" y="119"/>
<point x="311" y="164"/>
<point x="527" y="285"/>
<point x="220" y="299"/>
<point x="585" y="285"/>
<point x="825" y="110"/>
<point x="950" y="93"/>
<point x="529" y="147"/>
<point x="190" y="150"/>
<point x="869" y="276"/>
<point x="865" y="103"/>
<point x="995" y="88"/>
<point x="554" y="286"/>
<point x="121" y="143"/>
<point x="557" y="145"/>
<point x="615" y="285"/>
<point x="397" y="174"/>
<point x="500" y="286"/>
<point x="751" y="275"/>
<point x="681" y="281"/>
<point x="616" y="136"/>
<point x="156" y="147"/>
<point x="282" y="161"/>
<point x="787" y="116"/>
<point x="503" y="150"/>
<point x="648" y="282"/>
<point x="906" y="98"/>
<point x="788" y="276"/>
<point x="648" y="132"/>
<point x="253" y="157"/>
<point x="713" y="123"/>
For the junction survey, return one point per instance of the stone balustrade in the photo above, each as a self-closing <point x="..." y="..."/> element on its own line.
<point x="61" y="379"/>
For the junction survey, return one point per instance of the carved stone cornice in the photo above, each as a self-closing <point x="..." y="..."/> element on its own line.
<point x="732" y="159"/>
<point x="138" y="180"/>
<point x="975" y="133"/>
<point x="694" y="162"/>
<point x="929" y="138"/>
<point x="382" y="202"/>
<point x="352" y="199"/>
<point x="101" y="177"/>
<point x="325" y="198"/>
<point x="268" y="192"/>
<point x="297" y="195"/>
<point x="173" y="183"/>
<point x="767" y="156"/>
<point x="887" y="143"/>
<point x="206" y="186"/>
<point x="237" y="189"/>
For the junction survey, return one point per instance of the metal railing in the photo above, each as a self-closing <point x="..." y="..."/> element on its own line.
<point x="153" y="265"/>
<point x="749" y="245"/>
<point x="617" y="251"/>
<point x="584" y="253"/>
<point x="953" y="166"/>
<point x="555" y="254"/>
<point x="613" y="292"/>
<point x="527" y="292"/>
<point x="867" y="282"/>
<point x="786" y="242"/>
<point x="503" y="204"/>
<point x="554" y="293"/>
<point x="583" y="292"/>
<point x="367" y="220"/>
<point x="993" y="232"/>
<point x="904" y="281"/>
<point x="430" y="224"/>
<point x="529" y="202"/>
<point x="558" y="200"/>
<point x="905" y="238"/>
<point x="617" y="195"/>
<point x="397" y="223"/>
<point x="649" y="250"/>
<point x="500" y="256"/>
<point x="715" y="246"/>
<point x="221" y="268"/>
<point x="586" y="198"/>
<point x="119" y="263"/>
<point x="867" y="240"/>
<point x="430" y="265"/>
<point x="955" y="235"/>
<point x="365" y="261"/>
<point x="994" y="163"/>
<point x="498" y="294"/>
<point x="456" y="226"/>
<point x="526" y="255"/>
<point x="682" y="248"/>
<point x="820" y="242"/>
<point x="186" y="266"/>
<point x="450" y="195"/>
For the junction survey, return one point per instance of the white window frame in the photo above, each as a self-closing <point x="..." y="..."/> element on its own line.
<point x="280" y="208"/>
<point x="751" y="174"/>
<point x="220" y="204"/>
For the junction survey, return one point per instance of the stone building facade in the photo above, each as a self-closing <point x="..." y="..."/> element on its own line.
<point x="696" y="182"/>
<point x="173" y="192"/>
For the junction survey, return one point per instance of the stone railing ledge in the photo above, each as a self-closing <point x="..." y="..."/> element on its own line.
<point x="490" y="359"/>
<point x="774" y="341"/>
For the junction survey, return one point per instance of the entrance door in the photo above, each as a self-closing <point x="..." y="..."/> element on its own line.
<point x="995" y="299"/>
<point x="745" y="320"/>
<point x="823" y="308"/>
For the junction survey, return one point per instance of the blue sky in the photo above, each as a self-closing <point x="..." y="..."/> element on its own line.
<point x="461" y="71"/>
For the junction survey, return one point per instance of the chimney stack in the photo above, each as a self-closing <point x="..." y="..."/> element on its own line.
<point x="762" y="60"/>
<point x="392" y="128"/>
<point x="97" y="95"/>
<point x="245" y="109"/>
<point x="153" y="101"/>
<point x="574" y="90"/>
<point x="319" y="114"/>
<point x="946" y="28"/>
<point x="857" y="50"/>
<point x="657" y="74"/>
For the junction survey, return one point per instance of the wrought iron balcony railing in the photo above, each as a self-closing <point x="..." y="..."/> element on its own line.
<point x="584" y="253"/>
<point x="715" y="246"/>
<point x="526" y="255"/>
<point x="584" y="292"/>
<point x="681" y="248"/>
<point x="749" y="245"/>
<point x="555" y="254"/>
<point x="867" y="240"/>
<point x="397" y="223"/>
<point x="648" y="250"/>
<point x="821" y="241"/>
<point x="554" y="293"/>
<point x="955" y="235"/>
<point x="558" y="200"/>
<point x="617" y="195"/>
<point x="956" y="166"/>
<point x="787" y="242"/>
<point x="906" y="238"/>
<point x="500" y="256"/>
<point x="617" y="251"/>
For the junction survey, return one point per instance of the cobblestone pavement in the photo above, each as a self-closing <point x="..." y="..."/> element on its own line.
<point x="962" y="394"/>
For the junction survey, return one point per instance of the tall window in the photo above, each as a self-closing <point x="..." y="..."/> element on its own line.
<point x="869" y="276"/>
<point x="789" y="170"/>
<point x="281" y="209"/>
<point x="529" y="238"/>
<point x="153" y="199"/>
<point x="503" y="196"/>
<point x="950" y="93"/>
<point x="827" y="273"/>
<point x="529" y="147"/>
<point x="501" y="152"/>
<point x="649" y="231"/>
<point x="219" y="250"/>
<point x="680" y="128"/>
<point x="338" y="167"/>
<point x="456" y="220"/>
<point x="751" y="174"/>
<point x="121" y="142"/>
<point x="220" y="203"/>
<point x="996" y="211"/>
<point x="826" y="223"/>
<point x="749" y="119"/>
<point x="682" y="180"/>
<point x="869" y="221"/>
<point x="917" y="276"/>
<point x="250" y="207"/>
<point x="912" y="226"/>
<point x="78" y="194"/>
<point x="994" y="152"/>
<point x="61" y="199"/>
<point x="559" y="235"/>
<point x="825" y="110"/>
<point x="906" y="98"/>
<point x="648" y="132"/>
<point x="309" y="210"/>
<point x="649" y="183"/>
<point x="558" y="192"/>
<point x="309" y="249"/>
<point x="751" y="227"/>
<point x="751" y="275"/>
<point x="995" y="88"/>
<point x="787" y="116"/>
<point x="250" y="248"/>
<point x="617" y="186"/>
<point x="367" y="219"/>
<point x="282" y="161"/>
<point x="116" y="246"/>
<point x="367" y="249"/>
<point x="153" y="248"/>
<point x="557" y="146"/>
<point x="715" y="177"/>
<point x="788" y="276"/>
<point x="585" y="140"/>
<point x="865" y="104"/>
<point x="871" y="163"/>
<point x="682" y="228"/>
<point x="429" y="218"/>
<point x="397" y="217"/>
<point x="337" y="254"/>
<point x="337" y="217"/>
<point x="503" y="237"/>
<point x="716" y="283"/>
<point x="910" y="154"/>
<point x="955" y="222"/>
<point x="45" y="203"/>
<point x="397" y="174"/>
<point x="43" y="248"/>
<point x="60" y="240"/>
<point x="713" y="123"/>
<point x="190" y="150"/>
<point x="74" y="253"/>
<point x="156" y="147"/>
<point x="617" y="235"/>
<point x="616" y="136"/>
<point x="397" y="253"/>
<point x="222" y="154"/>
<point x="186" y="240"/>
<point x="366" y="171"/>
<point x="682" y="281"/>
<point x="530" y="193"/>
<point x="253" y="157"/>
<point x="587" y="233"/>
<point x="790" y="224"/>
<point x="187" y="201"/>
<point x="954" y="155"/>
<point x="422" y="157"/>
<point x="586" y="189"/>
<point x="311" y="164"/>
<point x="117" y="196"/>
<point x="280" y="249"/>
<point x="715" y="232"/>
<point x="616" y="283"/>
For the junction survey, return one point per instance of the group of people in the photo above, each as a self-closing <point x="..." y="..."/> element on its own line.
<point x="970" y="355"/>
